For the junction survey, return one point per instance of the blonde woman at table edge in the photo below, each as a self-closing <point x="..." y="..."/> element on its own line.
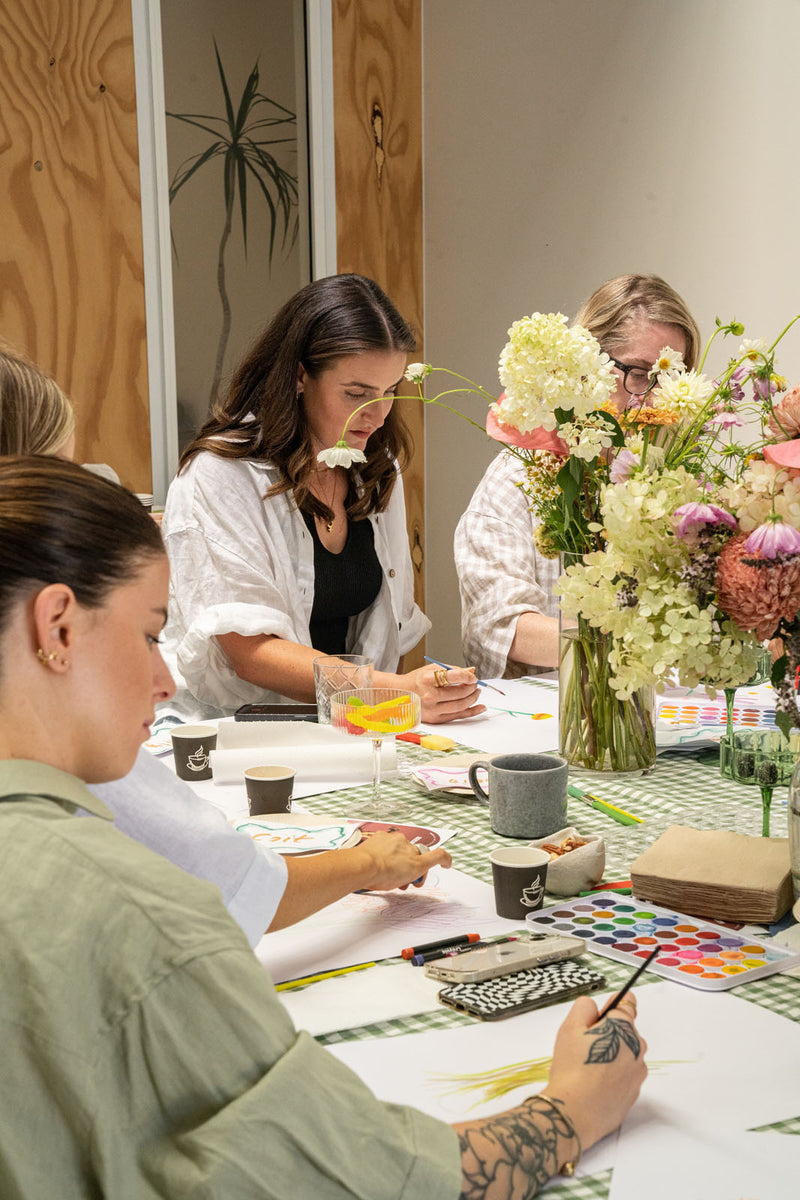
<point x="144" y="1039"/>
<point x="262" y="890"/>
<point x="275" y="556"/>
<point x="509" y="615"/>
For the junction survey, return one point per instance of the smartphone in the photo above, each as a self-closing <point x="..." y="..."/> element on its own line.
<point x="490" y="962"/>
<point x="276" y="712"/>
<point x="495" y="999"/>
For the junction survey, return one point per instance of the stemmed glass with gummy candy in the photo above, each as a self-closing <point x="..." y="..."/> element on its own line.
<point x="376" y="713"/>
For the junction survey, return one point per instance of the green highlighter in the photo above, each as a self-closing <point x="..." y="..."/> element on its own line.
<point x="617" y="814"/>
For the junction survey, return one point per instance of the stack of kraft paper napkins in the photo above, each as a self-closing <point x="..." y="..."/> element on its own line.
<point x="716" y="874"/>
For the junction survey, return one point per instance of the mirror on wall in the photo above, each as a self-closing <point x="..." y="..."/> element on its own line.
<point x="235" y="97"/>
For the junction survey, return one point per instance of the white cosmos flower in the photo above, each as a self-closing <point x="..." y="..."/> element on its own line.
<point x="752" y="348"/>
<point x="341" y="455"/>
<point x="669" y="362"/>
<point x="416" y="372"/>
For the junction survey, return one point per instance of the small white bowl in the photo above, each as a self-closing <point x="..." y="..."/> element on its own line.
<point x="578" y="869"/>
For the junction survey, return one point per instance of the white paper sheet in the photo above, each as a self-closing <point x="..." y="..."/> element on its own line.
<point x="408" y="1069"/>
<point x="706" y="1164"/>
<point x="365" y="926"/>
<point x="712" y="1057"/>
<point x="523" y="721"/>
<point x="381" y="993"/>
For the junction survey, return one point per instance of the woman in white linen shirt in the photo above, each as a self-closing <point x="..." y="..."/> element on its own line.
<point x="509" y="615"/>
<point x="277" y="557"/>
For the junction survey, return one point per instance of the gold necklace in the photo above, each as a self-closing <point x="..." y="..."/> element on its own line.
<point x="329" y="524"/>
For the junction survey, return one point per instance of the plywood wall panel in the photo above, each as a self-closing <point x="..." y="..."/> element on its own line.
<point x="71" y="274"/>
<point x="377" y="83"/>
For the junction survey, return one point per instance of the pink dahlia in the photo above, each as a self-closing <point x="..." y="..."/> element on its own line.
<point x="784" y="422"/>
<point x="757" y="598"/>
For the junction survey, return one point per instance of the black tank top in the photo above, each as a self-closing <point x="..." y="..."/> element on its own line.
<point x="344" y="584"/>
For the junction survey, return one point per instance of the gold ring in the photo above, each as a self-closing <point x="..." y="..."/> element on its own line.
<point x="440" y="676"/>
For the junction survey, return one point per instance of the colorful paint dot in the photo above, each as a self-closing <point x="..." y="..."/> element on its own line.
<point x="712" y="962"/>
<point x="645" y="941"/>
<point x="713" y="975"/>
<point x="603" y="926"/>
<point x="624" y="921"/>
<point x="753" y="962"/>
<point x="752" y="949"/>
<point x="686" y="941"/>
<point x="584" y="921"/>
<point x="629" y="947"/>
<point x="733" y="970"/>
<point x="605" y="941"/>
<point x="691" y="968"/>
<point x="605" y="902"/>
<point x="686" y="928"/>
<point x="668" y="921"/>
<point x="669" y="962"/>
<point x="645" y="916"/>
<point x="690" y="955"/>
<point x="732" y="955"/>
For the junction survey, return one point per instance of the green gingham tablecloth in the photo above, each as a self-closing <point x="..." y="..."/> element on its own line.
<point x="684" y="788"/>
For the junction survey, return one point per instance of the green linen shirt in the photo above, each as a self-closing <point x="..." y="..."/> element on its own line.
<point x="144" y="1050"/>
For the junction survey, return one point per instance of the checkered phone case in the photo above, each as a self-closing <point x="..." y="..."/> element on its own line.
<point x="493" y="999"/>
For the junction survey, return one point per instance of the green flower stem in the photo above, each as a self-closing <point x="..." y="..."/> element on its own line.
<point x="599" y="731"/>
<point x="478" y="391"/>
<point x="766" y="801"/>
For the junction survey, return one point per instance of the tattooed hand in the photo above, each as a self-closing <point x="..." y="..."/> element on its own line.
<point x="598" y="1068"/>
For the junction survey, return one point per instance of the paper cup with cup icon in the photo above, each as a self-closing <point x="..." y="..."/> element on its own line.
<point x="191" y="748"/>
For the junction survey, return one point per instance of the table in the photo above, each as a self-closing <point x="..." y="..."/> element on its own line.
<point x="684" y="787"/>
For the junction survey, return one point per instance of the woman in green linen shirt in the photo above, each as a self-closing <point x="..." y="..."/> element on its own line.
<point x="145" y="1051"/>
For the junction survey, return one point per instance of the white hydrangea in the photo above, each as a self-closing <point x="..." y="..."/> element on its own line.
<point x="751" y="499"/>
<point x="588" y="438"/>
<point x="546" y="365"/>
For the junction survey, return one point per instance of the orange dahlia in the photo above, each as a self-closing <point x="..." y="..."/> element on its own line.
<point x="757" y="598"/>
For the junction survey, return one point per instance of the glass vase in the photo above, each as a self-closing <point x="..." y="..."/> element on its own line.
<point x="794" y="830"/>
<point x="598" y="731"/>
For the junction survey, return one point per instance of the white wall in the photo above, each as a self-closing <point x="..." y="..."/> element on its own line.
<point x="567" y="141"/>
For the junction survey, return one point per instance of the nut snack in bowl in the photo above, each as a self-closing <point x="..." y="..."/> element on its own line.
<point x="577" y="861"/>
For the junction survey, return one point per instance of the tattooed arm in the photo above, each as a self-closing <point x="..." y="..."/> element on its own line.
<point x="598" y="1068"/>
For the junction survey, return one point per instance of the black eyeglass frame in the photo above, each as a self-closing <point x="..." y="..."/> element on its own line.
<point x="626" y="368"/>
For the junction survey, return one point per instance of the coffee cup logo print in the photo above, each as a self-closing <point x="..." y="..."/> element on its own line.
<point x="532" y="896"/>
<point x="199" y="760"/>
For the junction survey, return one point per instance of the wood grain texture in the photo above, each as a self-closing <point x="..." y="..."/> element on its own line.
<point x="377" y="85"/>
<point x="71" y="274"/>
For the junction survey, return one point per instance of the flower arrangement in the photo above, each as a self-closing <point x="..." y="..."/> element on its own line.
<point x="681" y="540"/>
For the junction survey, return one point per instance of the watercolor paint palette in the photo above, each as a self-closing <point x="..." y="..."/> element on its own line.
<point x="710" y="712"/>
<point x="695" y="952"/>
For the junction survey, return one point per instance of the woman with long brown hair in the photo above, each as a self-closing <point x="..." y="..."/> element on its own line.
<point x="276" y="556"/>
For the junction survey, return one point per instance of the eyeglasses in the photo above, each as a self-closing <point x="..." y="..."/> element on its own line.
<point x="636" y="380"/>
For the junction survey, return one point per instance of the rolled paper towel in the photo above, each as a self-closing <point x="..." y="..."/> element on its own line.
<point x="348" y="759"/>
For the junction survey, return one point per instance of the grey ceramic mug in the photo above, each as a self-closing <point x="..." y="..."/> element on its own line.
<point x="527" y="795"/>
